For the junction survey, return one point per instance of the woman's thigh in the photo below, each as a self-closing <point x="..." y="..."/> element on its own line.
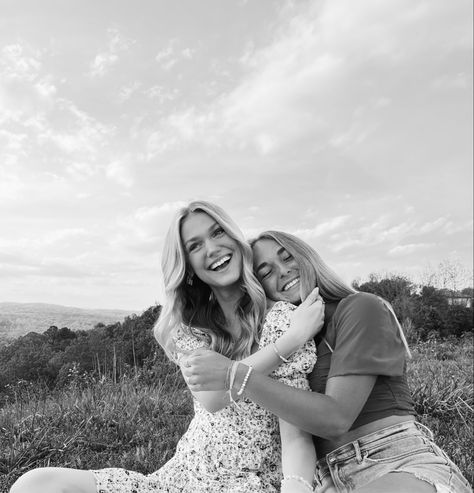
<point x="398" y="482"/>
<point x="55" y="480"/>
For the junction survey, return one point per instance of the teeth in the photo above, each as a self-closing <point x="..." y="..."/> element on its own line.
<point x="219" y="262"/>
<point x="286" y="287"/>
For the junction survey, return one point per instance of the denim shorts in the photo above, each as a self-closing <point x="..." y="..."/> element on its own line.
<point x="406" y="447"/>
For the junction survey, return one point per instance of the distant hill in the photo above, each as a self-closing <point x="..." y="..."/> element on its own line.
<point x="17" y="319"/>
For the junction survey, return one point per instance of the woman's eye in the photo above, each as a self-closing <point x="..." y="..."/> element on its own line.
<point x="193" y="247"/>
<point x="287" y="257"/>
<point x="218" y="232"/>
<point x="264" y="274"/>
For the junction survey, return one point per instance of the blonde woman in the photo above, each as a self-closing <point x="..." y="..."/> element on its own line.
<point x="360" y="411"/>
<point x="215" y="301"/>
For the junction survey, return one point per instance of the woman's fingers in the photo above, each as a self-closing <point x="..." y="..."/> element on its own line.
<point x="311" y="298"/>
<point x="204" y="369"/>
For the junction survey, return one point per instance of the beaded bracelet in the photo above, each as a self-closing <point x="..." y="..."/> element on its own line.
<point x="298" y="479"/>
<point x="275" y="349"/>
<point x="244" y="383"/>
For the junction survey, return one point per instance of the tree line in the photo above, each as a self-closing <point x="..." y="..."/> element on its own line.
<point x="60" y="355"/>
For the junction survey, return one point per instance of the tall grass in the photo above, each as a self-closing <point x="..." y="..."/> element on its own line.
<point x="136" y="422"/>
<point x="442" y="383"/>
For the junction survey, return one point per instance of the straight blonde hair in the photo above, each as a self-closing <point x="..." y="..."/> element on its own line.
<point x="192" y="305"/>
<point x="314" y="272"/>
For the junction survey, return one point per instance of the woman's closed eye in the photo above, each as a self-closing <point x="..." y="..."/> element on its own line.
<point x="286" y="256"/>
<point x="263" y="273"/>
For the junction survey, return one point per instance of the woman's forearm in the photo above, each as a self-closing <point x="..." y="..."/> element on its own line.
<point x="315" y="413"/>
<point x="263" y="361"/>
<point x="298" y="454"/>
<point x="266" y="359"/>
<point x="328" y="415"/>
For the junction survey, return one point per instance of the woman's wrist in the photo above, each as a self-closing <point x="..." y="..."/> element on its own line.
<point x="241" y="372"/>
<point x="288" y="343"/>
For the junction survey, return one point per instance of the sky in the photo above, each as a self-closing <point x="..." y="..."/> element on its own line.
<point x="348" y="124"/>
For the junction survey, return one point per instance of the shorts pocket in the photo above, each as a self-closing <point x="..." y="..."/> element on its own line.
<point x="395" y="449"/>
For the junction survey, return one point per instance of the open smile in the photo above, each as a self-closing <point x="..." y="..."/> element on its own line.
<point x="290" y="284"/>
<point x="220" y="264"/>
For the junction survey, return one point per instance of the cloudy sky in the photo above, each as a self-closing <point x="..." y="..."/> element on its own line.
<point x="346" y="123"/>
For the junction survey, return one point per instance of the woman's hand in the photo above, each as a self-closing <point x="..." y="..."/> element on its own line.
<point x="205" y="369"/>
<point x="308" y="319"/>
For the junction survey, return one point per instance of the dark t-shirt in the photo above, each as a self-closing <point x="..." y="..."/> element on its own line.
<point x="365" y="339"/>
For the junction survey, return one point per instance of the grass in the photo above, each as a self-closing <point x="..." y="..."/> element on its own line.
<point x="136" y="423"/>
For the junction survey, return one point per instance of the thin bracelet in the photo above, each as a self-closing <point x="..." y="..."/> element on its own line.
<point x="233" y="372"/>
<point x="227" y="377"/>
<point x="275" y="349"/>
<point x="244" y="383"/>
<point x="299" y="479"/>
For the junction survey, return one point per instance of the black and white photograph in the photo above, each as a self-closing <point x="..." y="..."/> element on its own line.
<point x="236" y="248"/>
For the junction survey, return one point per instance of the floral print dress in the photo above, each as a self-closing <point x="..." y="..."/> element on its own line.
<point x="236" y="449"/>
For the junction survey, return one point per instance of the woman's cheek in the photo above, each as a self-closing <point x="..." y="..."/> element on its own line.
<point x="270" y="290"/>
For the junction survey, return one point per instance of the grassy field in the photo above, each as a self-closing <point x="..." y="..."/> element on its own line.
<point x="136" y="423"/>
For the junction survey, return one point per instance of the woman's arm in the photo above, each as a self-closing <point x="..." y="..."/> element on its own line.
<point x="327" y="415"/>
<point x="298" y="458"/>
<point x="306" y="321"/>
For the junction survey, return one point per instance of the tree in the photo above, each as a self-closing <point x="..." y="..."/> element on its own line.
<point x="397" y="290"/>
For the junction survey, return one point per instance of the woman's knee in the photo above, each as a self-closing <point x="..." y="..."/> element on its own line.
<point x="36" y="480"/>
<point x="54" y="480"/>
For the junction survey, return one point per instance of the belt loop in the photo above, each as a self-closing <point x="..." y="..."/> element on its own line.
<point x="358" y="452"/>
<point x="425" y="430"/>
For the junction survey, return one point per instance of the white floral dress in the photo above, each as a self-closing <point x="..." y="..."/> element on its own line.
<point x="236" y="449"/>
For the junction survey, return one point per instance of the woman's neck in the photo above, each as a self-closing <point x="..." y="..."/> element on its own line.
<point x="228" y="299"/>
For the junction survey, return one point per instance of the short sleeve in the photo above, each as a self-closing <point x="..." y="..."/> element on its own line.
<point x="300" y="364"/>
<point x="367" y="338"/>
<point x="188" y="339"/>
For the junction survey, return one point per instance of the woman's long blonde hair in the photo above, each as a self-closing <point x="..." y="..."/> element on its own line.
<point x="191" y="305"/>
<point x="314" y="272"/>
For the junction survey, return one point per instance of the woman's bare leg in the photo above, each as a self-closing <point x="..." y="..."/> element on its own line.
<point x="55" y="480"/>
<point x="398" y="482"/>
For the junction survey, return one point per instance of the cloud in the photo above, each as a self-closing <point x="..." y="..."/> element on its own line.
<point x="323" y="81"/>
<point x="324" y="228"/>
<point x="161" y="94"/>
<point x="127" y="91"/>
<point x="121" y="173"/>
<point x="105" y="60"/>
<point x="20" y="63"/>
<point x="102" y="63"/>
<point x="401" y="250"/>
<point x="171" y="54"/>
<point x="24" y="87"/>
<point x="145" y="228"/>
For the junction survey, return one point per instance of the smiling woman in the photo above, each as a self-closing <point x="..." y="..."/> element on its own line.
<point x="214" y="301"/>
<point x="214" y="257"/>
<point x="360" y="410"/>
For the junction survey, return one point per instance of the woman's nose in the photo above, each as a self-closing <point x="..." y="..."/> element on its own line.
<point x="211" y="248"/>
<point x="284" y="270"/>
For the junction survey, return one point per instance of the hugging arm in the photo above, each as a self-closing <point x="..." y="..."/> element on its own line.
<point x="367" y="344"/>
<point x="327" y="415"/>
<point x="306" y="321"/>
